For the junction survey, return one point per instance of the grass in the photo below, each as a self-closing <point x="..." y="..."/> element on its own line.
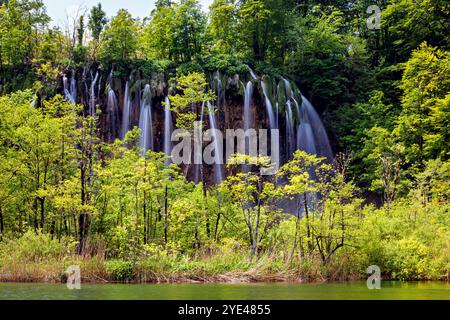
<point x="169" y="269"/>
<point x="38" y="258"/>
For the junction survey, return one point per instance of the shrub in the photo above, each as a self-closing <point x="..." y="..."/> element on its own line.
<point x="120" y="270"/>
<point x="32" y="247"/>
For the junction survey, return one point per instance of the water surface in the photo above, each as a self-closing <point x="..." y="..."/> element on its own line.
<point x="390" y="290"/>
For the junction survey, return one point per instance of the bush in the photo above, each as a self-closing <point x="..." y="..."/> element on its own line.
<point x="32" y="247"/>
<point x="120" y="270"/>
<point x="189" y="67"/>
<point x="225" y="63"/>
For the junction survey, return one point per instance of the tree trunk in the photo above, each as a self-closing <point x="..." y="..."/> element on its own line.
<point x="1" y="224"/>
<point x="42" y="207"/>
<point x="166" y="213"/>
<point x="308" y="230"/>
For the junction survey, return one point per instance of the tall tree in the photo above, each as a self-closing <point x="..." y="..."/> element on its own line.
<point x="97" y="20"/>
<point x="119" y="40"/>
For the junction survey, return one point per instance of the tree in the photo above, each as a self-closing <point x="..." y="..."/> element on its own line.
<point x="119" y="40"/>
<point x="193" y="91"/>
<point x="424" y="83"/>
<point x="97" y="20"/>
<point x="80" y="31"/>
<point x="158" y="34"/>
<point x="330" y="64"/>
<point x="21" y="22"/>
<point x="223" y="26"/>
<point x="411" y="23"/>
<point x="255" y="195"/>
<point x="175" y="31"/>
<point x="300" y="173"/>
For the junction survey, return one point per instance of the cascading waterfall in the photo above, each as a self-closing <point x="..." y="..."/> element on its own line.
<point x="70" y="90"/>
<point x="269" y="107"/>
<point x="305" y="135"/>
<point x="290" y="127"/>
<point x="145" y="120"/>
<point x="316" y="128"/>
<point x="99" y="87"/>
<point x="248" y="94"/>
<point x="218" y="176"/>
<point x="167" y="130"/>
<point x="290" y="130"/>
<point x="252" y="73"/>
<point x="92" y="102"/>
<point x="270" y="113"/>
<point x="67" y="94"/>
<point x="113" y="113"/>
<point x="126" y="111"/>
<point x="197" y="164"/>
<point x="73" y="88"/>
<point x="219" y="90"/>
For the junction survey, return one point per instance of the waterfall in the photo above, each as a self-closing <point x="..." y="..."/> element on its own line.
<point x="219" y="91"/>
<point x="252" y="73"/>
<point x="99" y="86"/>
<point x="320" y="137"/>
<point x="305" y="135"/>
<point x="218" y="176"/>
<point x="145" y="120"/>
<point x="269" y="107"/>
<point x="199" y="159"/>
<point x="248" y="94"/>
<point x="67" y="94"/>
<point x="167" y="130"/>
<point x="113" y="113"/>
<point x="311" y="134"/>
<point x="291" y="140"/>
<point x="73" y="88"/>
<point x="70" y="90"/>
<point x="92" y="102"/>
<point x="126" y="111"/>
<point x="290" y="130"/>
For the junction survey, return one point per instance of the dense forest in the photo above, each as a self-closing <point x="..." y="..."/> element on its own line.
<point x="80" y="187"/>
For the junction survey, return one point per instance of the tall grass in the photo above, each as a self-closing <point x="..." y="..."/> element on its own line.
<point x="38" y="258"/>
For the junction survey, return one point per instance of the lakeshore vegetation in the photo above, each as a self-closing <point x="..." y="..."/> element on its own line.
<point x="69" y="198"/>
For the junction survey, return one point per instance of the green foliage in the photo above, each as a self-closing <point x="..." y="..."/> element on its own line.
<point x="32" y="247"/>
<point x="330" y="64"/>
<point x="187" y="68"/>
<point x="120" y="270"/>
<point x="410" y="23"/>
<point x="193" y="91"/>
<point x="175" y="31"/>
<point x="410" y="241"/>
<point x="228" y="64"/>
<point x="97" y="20"/>
<point x="20" y="21"/>
<point x="223" y="26"/>
<point x="119" y="40"/>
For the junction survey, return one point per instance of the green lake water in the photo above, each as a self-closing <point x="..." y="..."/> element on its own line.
<point x="390" y="290"/>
